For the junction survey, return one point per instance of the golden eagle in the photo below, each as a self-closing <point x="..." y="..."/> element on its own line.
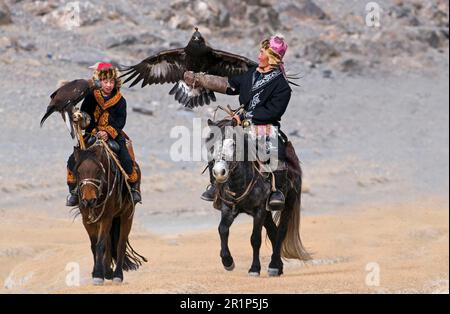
<point x="169" y="66"/>
<point x="65" y="98"/>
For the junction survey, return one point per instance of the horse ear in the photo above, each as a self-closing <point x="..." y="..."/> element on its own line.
<point x="98" y="151"/>
<point x="76" y="153"/>
<point x="210" y="122"/>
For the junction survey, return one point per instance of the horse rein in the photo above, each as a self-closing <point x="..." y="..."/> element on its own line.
<point x="236" y="200"/>
<point x="98" y="184"/>
<point x="95" y="182"/>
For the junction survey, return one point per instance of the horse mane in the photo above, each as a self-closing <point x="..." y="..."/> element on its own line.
<point x="89" y="153"/>
<point x="221" y="124"/>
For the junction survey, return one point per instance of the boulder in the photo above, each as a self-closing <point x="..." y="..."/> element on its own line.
<point x="319" y="51"/>
<point x="5" y="14"/>
<point x="75" y="14"/>
<point x="306" y="9"/>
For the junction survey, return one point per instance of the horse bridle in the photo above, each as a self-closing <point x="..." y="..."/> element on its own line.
<point x="236" y="200"/>
<point x="96" y="183"/>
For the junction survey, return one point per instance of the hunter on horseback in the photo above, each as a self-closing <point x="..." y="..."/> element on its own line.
<point x="103" y="115"/>
<point x="264" y="93"/>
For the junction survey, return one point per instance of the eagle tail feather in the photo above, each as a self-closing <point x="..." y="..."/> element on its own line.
<point x="174" y="89"/>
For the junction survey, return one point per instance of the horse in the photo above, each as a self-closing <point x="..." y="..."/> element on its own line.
<point x="107" y="211"/>
<point x="241" y="187"/>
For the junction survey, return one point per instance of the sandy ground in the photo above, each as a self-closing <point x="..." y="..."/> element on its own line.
<point x="407" y="245"/>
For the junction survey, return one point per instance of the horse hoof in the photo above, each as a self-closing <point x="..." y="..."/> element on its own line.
<point x="273" y="272"/>
<point x="109" y="275"/>
<point x="229" y="268"/>
<point x="117" y="281"/>
<point x="253" y="274"/>
<point x="98" y="281"/>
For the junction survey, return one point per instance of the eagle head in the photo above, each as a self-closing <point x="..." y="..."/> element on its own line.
<point x="197" y="37"/>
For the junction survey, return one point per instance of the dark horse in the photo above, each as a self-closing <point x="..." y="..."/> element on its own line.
<point x="243" y="188"/>
<point x="107" y="212"/>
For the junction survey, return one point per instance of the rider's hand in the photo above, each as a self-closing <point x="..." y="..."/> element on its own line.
<point x="103" y="135"/>
<point x="238" y="119"/>
<point x="189" y="78"/>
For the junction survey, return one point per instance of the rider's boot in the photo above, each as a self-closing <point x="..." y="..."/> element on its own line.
<point x="277" y="198"/>
<point x="210" y="192"/>
<point x="135" y="184"/>
<point x="72" y="198"/>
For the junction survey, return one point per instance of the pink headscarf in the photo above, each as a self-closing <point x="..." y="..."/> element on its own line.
<point x="277" y="48"/>
<point x="278" y="45"/>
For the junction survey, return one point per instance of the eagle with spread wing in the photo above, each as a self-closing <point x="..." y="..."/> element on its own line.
<point x="169" y="66"/>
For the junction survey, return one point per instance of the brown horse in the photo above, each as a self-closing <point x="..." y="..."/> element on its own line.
<point x="107" y="213"/>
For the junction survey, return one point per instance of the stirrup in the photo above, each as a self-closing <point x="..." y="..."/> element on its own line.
<point x="276" y="201"/>
<point x="208" y="195"/>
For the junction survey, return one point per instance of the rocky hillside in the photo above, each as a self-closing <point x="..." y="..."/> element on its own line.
<point x="370" y="117"/>
<point x="329" y="37"/>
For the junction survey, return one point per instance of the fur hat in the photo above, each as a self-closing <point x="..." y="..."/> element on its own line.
<point x="104" y="70"/>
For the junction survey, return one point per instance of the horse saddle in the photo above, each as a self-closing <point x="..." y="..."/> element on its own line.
<point x="90" y="140"/>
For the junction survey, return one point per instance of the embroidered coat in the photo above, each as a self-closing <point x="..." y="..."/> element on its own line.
<point x="265" y="96"/>
<point x="106" y="114"/>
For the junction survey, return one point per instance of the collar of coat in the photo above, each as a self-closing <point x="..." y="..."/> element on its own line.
<point x="110" y="102"/>
<point x="266" y="79"/>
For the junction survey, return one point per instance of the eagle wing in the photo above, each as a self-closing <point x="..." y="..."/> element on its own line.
<point x="229" y="64"/>
<point x="220" y="63"/>
<point x="168" y="66"/>
<point x="64" y="99"/>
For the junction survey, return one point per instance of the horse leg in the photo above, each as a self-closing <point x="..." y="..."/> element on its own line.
<point x="271" y="228"/>
<point x="100" y="250"/>
<point x="224" y="230"/>
<point x="255" y="240"/>
<point x="92" y="232"/>
<point x="108" y="260"/>
<point x="125" y="228"/>
<point x="276" y="264"/>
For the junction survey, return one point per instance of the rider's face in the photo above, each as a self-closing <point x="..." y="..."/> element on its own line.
<point x="263" y="59"/>
<point x="108" y="85"/>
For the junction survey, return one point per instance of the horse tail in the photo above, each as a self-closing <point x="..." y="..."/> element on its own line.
<point x="132" y="259"/>
<point x="292" y="247"/>
<point x="115" y="235"/>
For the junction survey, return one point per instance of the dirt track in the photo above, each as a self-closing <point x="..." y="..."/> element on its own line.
<point x="409" y="243"/>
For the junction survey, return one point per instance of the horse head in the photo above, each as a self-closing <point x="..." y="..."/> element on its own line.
<point x="226" y="136"/>
<point x="91" y="175"/>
